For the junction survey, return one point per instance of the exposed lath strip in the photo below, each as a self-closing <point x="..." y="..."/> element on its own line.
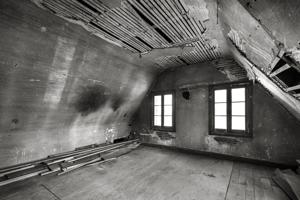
<point x="140" y="26"/>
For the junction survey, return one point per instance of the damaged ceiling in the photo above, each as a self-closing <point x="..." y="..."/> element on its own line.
<point x="172" y="32"/>
<point x="176" y="33"/>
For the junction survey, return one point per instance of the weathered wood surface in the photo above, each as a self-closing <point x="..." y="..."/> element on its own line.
<point x="151" y="173"/>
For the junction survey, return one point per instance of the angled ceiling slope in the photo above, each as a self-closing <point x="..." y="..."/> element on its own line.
<point x="142" y="26"/>
<point x="262" y="48"/>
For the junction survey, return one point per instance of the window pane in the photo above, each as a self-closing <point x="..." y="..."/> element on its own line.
<point x="157" y="100"/>
<point x="220" y="109"/>
<point x="220" y="95"/>
<point x="238" y="123"/>
<point x="168" y="121"/>
<point x="220" y="122"/>
<point x="238" y="108"/>
<point x="157" y="120"/>
<point x="168" y="99"/>
<point x="238" y="94"/>
<point x="167" y="110"/>
<point x="157" y="110"/>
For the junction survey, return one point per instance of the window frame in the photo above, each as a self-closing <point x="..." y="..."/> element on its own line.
<point x="162" y="127"/>
<point x="248" y="110"/>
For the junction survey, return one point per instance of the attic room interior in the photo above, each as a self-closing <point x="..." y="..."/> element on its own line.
<point x="150" y="99"/>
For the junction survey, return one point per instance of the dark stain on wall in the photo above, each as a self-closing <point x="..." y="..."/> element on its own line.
<point x="14" y="124"/>
<point x="164" y="135"/>
<point x="225" y="140"/>
<point x="90" y="99"/>
<point x="117" y="101"/>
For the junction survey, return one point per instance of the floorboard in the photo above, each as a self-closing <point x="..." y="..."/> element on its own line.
<point x="151" y="173"/>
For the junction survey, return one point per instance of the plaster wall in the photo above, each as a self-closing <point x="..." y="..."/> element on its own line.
<point x="275" y="131"/>
<point x="61" y="87"/>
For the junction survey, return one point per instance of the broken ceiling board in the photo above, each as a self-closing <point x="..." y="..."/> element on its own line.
<point x="281" y="69"/>
<point x="231" y="69"/>
<point x="281" y="18"/>
<point x="197" y="9"/>
<point x="287" y="100"/>
<point x="140" y="25"/>
<point x="250" y="38"/>
<point x="296" y="87"/>
<point x="175" y="51"/>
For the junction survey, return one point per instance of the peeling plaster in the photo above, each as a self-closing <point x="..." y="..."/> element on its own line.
<point x="197" y="9"/>
<point x="159" y="137"/>
<point x="287" y="100"/>
<point x="294" y="53"/>
<point x="79" y="22"/>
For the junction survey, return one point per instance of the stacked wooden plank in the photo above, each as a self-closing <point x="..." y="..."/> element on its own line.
<point x="289" y="182"/>
<point x="62" y="163"/>
<point x="141" y="26"/>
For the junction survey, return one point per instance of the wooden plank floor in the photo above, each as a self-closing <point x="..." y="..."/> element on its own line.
<point x="150" y="173"/>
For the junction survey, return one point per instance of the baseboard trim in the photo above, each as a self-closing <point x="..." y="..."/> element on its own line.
<point x="224" y="156"/>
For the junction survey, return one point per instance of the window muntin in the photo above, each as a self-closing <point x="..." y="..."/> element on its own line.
<point x="163" y="111"/>
<point x="230" y="109"/>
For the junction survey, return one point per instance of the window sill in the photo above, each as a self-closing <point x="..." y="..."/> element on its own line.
<point x="241" y="135"/>
<point x="163" y="129"/>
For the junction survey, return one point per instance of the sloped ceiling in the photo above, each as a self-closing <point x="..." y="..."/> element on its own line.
<point x="171" y="32"/>
<point x="263" y="36"/>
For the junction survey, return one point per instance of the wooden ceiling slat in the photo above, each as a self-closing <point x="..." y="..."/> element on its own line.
<point x="174" y="20"/>
<point x="147" y="27"/>
<point x="141" y="26"/>
<point x="172" y="33"/>
<point x="149" y="15"/>
<point x="122" y="34"/>
<point x="140" y="30"/>
<point x="164" y="19"/>
<point x="191" y="23"/>
<point x="184" y="23"/>
<point x="179" y="19"/>
<point x="124" y="38"/>
<point x="122" y="30"/>
<point x="63" y="12"/>
<point x="160" y="23"/>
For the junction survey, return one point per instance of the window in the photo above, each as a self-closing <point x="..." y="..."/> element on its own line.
<point x="230" y="109"/>
<point x="163" y="111"/>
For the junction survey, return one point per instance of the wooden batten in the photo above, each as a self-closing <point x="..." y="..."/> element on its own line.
<point x="281" y="69"/>
<point x="296" y="87"/>
<point x="141" y="26"/>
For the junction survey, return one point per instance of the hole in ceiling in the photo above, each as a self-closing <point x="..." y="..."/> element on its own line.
<point x="297" y="91"/>
<point x="88" y="6"/>
<point x="182" y="60"/>
<point x="148" y="21"/>
<point x="279" y="64"/>
<point x="144" y="42"/>
<point x="290" y="77"/>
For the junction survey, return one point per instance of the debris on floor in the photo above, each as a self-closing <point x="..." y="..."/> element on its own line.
<point x="289" y="182"/>
<point x="62" y="163"/>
